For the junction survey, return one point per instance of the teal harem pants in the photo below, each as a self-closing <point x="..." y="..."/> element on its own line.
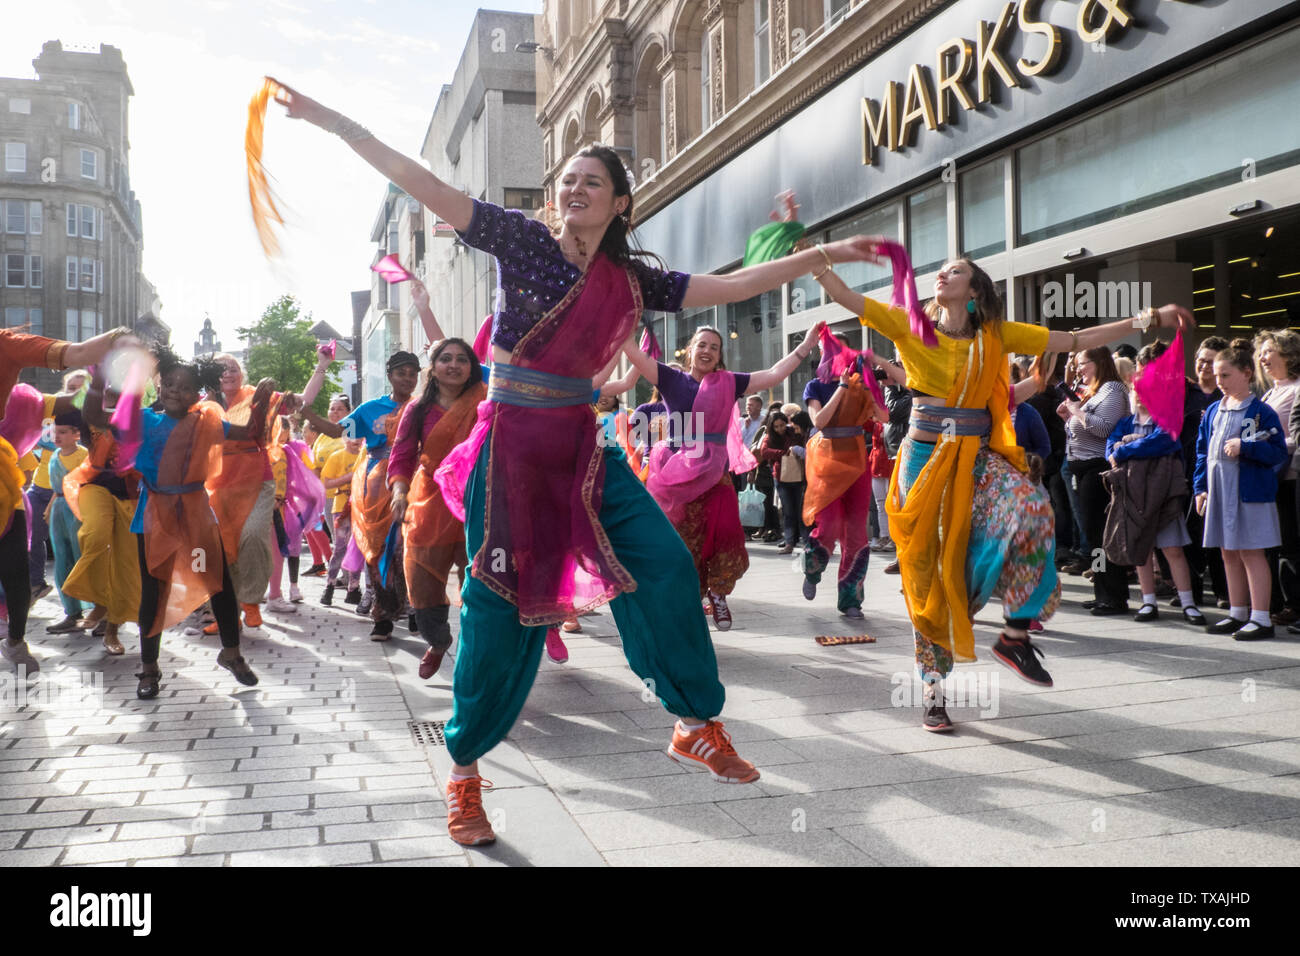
<point x="665" y="636"/>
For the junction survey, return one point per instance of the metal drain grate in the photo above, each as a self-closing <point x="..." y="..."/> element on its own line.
<point x="427" y="733"/>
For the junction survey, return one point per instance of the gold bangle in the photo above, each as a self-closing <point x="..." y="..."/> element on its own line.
<point x="1074" y="341"/>
<point x="817" y="276"/>
<point x="822" y="250"/>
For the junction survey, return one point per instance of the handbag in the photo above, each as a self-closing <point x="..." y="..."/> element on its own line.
<point x="791" y="469"/>
<point x="751" y="506"/>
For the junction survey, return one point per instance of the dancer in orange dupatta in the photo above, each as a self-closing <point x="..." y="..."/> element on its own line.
<point x="967" y="521"/>
<point x="180" y="555"/>
<point x="243" y="488"/>
<point x="433" y="538"/>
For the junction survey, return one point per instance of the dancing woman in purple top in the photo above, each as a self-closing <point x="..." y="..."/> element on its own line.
<point x="556" y="523"/>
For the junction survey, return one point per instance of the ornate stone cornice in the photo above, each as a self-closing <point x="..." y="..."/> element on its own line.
<point x="866" y="30"/>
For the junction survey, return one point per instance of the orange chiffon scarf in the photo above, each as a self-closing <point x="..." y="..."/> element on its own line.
<point x="430" y="531"/>
<point x="237" y="470"/>
<point x="834" y="464"/>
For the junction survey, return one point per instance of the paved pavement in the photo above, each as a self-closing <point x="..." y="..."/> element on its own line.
<point x="1159" y="745"/>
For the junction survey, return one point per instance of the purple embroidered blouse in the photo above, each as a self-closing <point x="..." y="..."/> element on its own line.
<point x="533" y="275"/>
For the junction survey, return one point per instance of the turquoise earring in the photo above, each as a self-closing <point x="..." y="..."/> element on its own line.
<point x="970" y="306"/>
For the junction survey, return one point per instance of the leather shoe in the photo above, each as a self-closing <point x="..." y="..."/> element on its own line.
<point x="1107" y="610"/>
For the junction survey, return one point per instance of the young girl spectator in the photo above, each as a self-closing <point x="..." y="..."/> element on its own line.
<point x="1137" y="438"/>
<point x="1240" y="445"/>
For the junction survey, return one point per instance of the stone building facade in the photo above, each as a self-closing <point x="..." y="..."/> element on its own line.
<point x="71" y="234"/>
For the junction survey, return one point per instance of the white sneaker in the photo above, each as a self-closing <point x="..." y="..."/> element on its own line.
<point x="19" y="655"/>
<point x="281" y="606"/>
<point x="294" y="594"/>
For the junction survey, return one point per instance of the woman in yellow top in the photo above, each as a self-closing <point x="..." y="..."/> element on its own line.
<point x="967" y="520"/>
<point x="336" y="476"/>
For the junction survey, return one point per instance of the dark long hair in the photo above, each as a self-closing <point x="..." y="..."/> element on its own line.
<point x="619" y="244"/>
<point x="430" y="394"/>
<point x="774" y="441"/>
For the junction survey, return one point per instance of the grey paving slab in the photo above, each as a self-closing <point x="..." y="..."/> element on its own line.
<point x="1157" y="745"/>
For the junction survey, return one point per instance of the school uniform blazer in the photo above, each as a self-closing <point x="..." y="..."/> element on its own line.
<point x="1260" y="456"/>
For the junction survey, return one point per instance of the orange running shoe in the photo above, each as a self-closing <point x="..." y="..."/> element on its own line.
<point x="467" y="824"/>
<point x="252" y="616"/>
<point x="212" y="628"/>
<point x="710" y="745"/>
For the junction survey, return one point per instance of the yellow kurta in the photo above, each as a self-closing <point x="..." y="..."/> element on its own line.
<point x="932" y="528"/>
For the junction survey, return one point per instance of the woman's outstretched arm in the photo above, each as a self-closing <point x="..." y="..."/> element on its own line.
<point x="778" y="373"/>
<point x="450" y="205"/>
<point x="746" y="283"/>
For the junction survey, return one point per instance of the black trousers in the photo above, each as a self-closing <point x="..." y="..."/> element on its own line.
<point x="1284" y="562"/>
<point x="224" y="607"/>
<point x="15" y="576"/>
<point x="1109" y="580"/>
<point x="1055" y="483"/>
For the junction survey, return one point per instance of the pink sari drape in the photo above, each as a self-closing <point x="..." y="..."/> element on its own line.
<point x="544" y="549"/>
<point x="304" y="495"/>
<point x="679" y="476"/>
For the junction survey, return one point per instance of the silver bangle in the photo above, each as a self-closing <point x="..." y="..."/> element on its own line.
<point x="348" y="130"/>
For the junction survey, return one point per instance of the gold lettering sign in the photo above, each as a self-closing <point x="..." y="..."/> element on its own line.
<point x="893" y="121"/>
<point x="1047" y="62"/>
<point x="879" y="124"/>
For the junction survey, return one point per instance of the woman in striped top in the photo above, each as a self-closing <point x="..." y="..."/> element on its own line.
<point x="1088" y="423"/>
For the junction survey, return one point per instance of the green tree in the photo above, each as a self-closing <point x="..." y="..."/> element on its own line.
<point x="281" y="346"/>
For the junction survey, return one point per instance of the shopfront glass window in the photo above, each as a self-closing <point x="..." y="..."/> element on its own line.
<point x="927" y="228"/>
<point x="1232" y="120"/>
<point x="983" y="211"/>
<point x="865" y="276"/>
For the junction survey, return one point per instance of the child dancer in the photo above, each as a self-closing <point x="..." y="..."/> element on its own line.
<point x="101" y="492"/>
<point x="318" y="538"/>
<point x="1240" y="445"/>
<point x="179" y="548"/>
<point x="336" y="476"/>
<point x="63" y="524"/>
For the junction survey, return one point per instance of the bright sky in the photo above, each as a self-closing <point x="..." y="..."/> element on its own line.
<point x="194" y="67"/>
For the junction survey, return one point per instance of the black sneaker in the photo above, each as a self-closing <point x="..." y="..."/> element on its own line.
<point x="353" y="596"/>
<point x="1019" y="656"/>
<point x="1250" y="631"/>
<point x="381" y="631"/>
<point x="1147" y="613"/>
<point x="934" y="717"/>
<point x="1227" y="625"/>
<point x="327" y="599"/>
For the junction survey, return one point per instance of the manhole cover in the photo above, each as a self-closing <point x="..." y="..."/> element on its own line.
<point x="427" y="733"/>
